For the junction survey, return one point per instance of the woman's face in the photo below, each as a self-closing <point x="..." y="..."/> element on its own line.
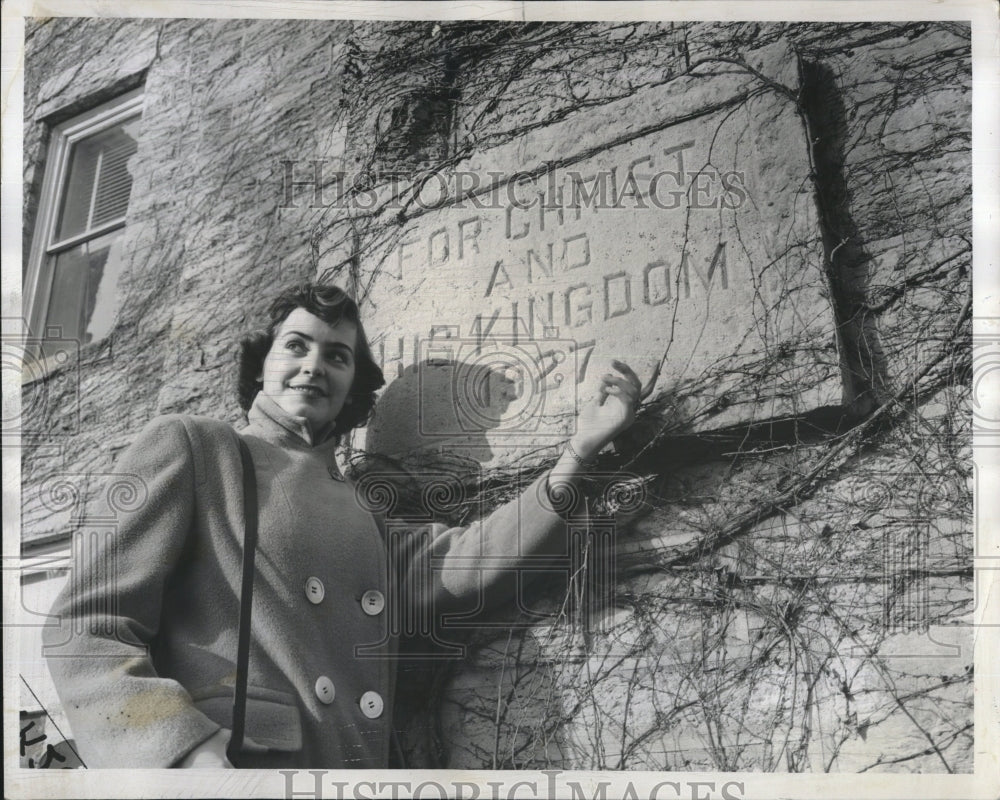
<point x="310" y="367"/>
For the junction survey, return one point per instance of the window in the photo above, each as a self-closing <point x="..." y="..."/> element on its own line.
<point x="72" y="273"/>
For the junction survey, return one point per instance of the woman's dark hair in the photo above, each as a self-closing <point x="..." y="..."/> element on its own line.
<point x="332" y="305"/>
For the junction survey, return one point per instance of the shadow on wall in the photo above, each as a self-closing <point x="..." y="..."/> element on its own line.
<point x="442" y="409"/>
<point x="848" y="263"/>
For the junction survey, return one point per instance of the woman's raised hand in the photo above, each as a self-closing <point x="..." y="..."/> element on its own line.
<point x="610" y="412"/>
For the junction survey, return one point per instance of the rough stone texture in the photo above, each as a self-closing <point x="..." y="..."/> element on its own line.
<point x="687" y="236"/>
<point x="206" y="241"/>
<point x="785" y="585"/>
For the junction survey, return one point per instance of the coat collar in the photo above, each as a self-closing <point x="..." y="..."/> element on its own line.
<point x="284" y="429"/>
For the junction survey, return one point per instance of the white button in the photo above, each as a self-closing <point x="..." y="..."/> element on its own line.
<point x="371" y="705"/>
<point x="372" y="602"/>
<point x="315" y="590"/>
<point x="324" y="689"/>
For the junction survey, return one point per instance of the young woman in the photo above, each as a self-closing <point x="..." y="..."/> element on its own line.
<point x="144" y="662"/>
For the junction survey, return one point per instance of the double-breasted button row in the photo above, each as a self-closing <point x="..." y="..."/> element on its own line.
<point x="372" y="601"/>
<point x="371" y="703"/>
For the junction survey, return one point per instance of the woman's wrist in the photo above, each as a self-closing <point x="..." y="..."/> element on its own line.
<point x="583" y="452"/>
<point x="582" y="456"/>
<point x="574" y="460"/>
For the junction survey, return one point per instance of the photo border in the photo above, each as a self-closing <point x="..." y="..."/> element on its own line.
<point x="983" y="783"/>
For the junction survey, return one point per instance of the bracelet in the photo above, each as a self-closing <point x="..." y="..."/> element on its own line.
<point x="576" y="456"/>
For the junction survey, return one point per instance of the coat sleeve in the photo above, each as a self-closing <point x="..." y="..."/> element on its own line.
<point x="475" y="566"/>
<point x="121" y="712"/>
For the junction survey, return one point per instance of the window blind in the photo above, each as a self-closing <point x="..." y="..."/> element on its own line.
<point x="98" y="182"/>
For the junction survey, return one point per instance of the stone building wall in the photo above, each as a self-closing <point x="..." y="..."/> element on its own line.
<point x="226" y="101"/>
<point x="775" y="570"/>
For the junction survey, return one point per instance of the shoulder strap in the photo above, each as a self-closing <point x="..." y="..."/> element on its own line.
<point x="246" y="600"/>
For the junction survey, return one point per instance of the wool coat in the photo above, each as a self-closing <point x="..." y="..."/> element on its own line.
<point x="144" y="656"/>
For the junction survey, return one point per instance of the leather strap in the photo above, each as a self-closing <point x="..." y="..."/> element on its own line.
<point x="246" y="601"/>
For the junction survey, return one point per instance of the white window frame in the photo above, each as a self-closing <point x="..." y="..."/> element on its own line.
<point x="37" y="287"/>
